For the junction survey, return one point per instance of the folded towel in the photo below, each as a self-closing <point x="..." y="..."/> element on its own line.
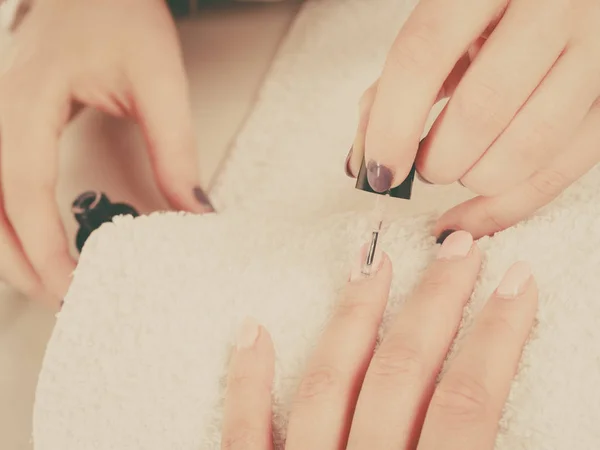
<point x="139" y="353"/>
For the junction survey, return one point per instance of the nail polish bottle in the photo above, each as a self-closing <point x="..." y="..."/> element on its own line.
<point x="404" y="190"/>
<point x="91" y="209"/>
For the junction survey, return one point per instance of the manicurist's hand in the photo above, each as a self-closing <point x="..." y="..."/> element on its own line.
<point x="120" y="56"/>
<point x="523" y="119"/>
<point x="355" y="399"/>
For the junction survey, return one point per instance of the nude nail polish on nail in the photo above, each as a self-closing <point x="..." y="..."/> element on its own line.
<point x="457" y="245"/>
<point x="379" y="176"/>
<point x="357" y="269"/>
<point x="247" y="334"/>
<point x="514" y="281"/>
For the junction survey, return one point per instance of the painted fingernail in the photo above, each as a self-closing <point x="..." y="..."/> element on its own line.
<point x="456" y="245"/>
<point x="514" y="280"/>
<point x="202" y="198"/>
<point x="359" y="264"/>
<point x="247" y="334"/>
<point x="347" y="167"/>
<point x="443" y="236"/>
<point x="379" y="176"/>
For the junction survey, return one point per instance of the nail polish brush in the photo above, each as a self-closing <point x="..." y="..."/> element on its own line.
<point x="382" y="178"/>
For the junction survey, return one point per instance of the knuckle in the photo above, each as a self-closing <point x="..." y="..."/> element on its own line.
<point x="396" y="358"/>
<point x="480" y="106"/>
<point x="366" y="100"/>
<point x="491" y="220"/>
<point x="548" y="183"/>
<point x="318" y="382"/>
<point x="417" y="51"/>
<point x="535" y="141"/>
<point x="499" y="325"/>
<point x="461" y="397"/>
<point x="437" y="283"/>
<point x="241" y="381"/>
<point x="242" y="436"/>
<point x="356" y="311"/>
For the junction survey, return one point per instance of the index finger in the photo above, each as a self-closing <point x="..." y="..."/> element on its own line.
<point x="327" y="394"/>
<point x="429" y="45"/>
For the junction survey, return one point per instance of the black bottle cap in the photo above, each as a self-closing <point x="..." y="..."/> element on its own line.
<point x="91" y="209"/>
<point x="404" y="190"/>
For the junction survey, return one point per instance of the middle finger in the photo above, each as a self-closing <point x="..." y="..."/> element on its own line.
<point x="402" y="374"/>
<point x="514" y="60"/>
<point x="327" y="395"/>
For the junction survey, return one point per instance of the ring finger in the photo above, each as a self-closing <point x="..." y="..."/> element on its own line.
<point x="467" y="404"/>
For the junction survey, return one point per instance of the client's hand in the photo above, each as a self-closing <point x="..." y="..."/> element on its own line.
<point x="353" y="398"/>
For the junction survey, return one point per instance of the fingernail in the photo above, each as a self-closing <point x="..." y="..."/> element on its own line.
<point x="347" y="167"/>
<point x="359" y="264"/>
<point x="247" y="334"/>
<point x="514" y="280"/>
<point x="202" y="198"/>
<point x="456" y="245"/>
<point x="379" y="176"/>
<point x="443" y="236"/>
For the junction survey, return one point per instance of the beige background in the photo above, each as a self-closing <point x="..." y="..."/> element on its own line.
<point x="227" y="53"/>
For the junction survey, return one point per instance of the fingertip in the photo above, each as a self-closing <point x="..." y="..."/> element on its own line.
<point x="475" y="216"/>
<point x="518" y="282"/>
<point x="254" y="337"/>
<point x="367" y="266"/>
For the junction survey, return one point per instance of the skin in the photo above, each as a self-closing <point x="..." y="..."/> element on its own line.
<point x="522" y="122"/>
<point x="354" y="398"/>
<point x="119" y="56"/>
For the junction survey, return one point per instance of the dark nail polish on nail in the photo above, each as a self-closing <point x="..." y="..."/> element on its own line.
<point x="62" y="302"/>
<point x="379" y="176"/>
<point x="404" y="190"/>
<point x="347" y="168"/>
<point x="443" y="236"/>
<point x="202" y="197"/>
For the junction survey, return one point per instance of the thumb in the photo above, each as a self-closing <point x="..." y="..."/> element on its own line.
<point x="163" y="111"/>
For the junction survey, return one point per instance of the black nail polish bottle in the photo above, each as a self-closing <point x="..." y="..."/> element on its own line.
<point x="91" y="209"/>
<point x="404" y="190"/>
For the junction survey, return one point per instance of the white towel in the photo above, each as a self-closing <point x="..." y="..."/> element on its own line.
<point x="139" y="353"/>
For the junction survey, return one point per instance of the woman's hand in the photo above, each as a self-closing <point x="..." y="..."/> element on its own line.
<point x="122" y="57"/>
<point x="353" y="399"/>
<point x="523" y="120"/>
